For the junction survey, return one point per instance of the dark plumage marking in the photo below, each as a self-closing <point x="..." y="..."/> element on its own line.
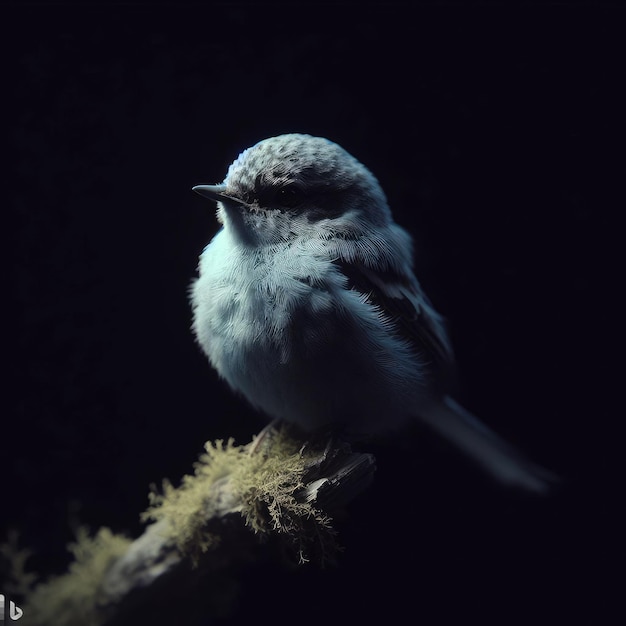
<point x="411" y="322"/>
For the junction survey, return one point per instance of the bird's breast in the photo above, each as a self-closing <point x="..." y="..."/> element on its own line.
<point x="286" y="333"/>
<point x="260" y="303"/>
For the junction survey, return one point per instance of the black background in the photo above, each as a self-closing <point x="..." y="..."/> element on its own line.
<point x="496" y="136"/>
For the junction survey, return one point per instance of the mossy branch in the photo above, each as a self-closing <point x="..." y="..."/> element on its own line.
<point x="242" y="504"/>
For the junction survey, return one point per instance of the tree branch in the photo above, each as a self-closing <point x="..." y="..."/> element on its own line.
<point x="245" y="504"/>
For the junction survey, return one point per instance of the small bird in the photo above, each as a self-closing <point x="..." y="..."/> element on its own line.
<point x="306" y="304"/>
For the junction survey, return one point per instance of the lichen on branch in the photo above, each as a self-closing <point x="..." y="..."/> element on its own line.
<point x="261" y="482"/>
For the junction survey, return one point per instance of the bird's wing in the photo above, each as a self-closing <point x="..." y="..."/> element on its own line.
<point x="402" y="301"/>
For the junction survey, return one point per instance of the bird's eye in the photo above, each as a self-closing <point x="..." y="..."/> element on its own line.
<point x="290" y="196"/>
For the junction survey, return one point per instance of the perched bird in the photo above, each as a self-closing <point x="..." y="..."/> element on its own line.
<point x="306" y="303"/>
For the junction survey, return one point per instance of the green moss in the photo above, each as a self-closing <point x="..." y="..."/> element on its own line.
<point x="262" y="487"/>
<point x="71" y="599"/>
<point x="18" y="581"/>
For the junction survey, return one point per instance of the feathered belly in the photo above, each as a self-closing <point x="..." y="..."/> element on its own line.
<point x="307" y="355"/>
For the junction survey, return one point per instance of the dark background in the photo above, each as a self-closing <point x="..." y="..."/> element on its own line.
<point x="496" y="135"/>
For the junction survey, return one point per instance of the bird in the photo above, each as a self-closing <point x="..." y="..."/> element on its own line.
<point x="306" y="303"/>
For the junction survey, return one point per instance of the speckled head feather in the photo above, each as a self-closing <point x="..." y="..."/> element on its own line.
<point x="314" y="166"/>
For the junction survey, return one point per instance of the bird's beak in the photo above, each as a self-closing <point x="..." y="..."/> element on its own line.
<point x="216" y="193"/>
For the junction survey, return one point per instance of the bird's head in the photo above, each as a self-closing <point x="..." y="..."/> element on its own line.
<point x="295" y="185"/>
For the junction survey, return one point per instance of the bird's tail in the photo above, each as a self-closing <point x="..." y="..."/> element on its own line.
<point x="495" y="455"/>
